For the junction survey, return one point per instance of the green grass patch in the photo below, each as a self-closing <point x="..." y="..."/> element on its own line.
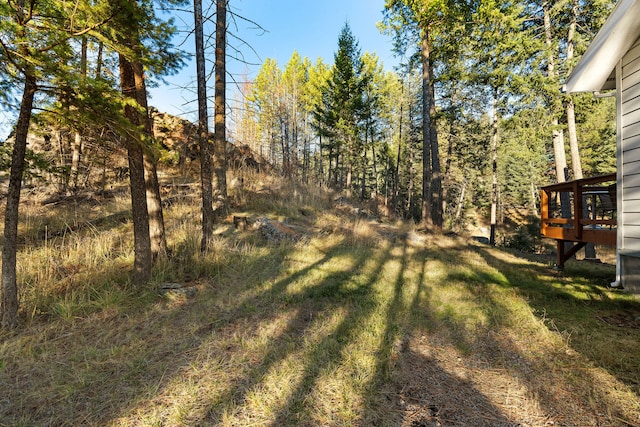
<point x="356" y="324"/>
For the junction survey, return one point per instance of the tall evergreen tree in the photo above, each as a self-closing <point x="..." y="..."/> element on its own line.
<point x="220" y="204"/>
<point x="33" y="50"/>
<point x="140" y="39"/>
<point x="500" y="51"/>
<point x="206" y="167"/>
<point x="427" y="25"/>
<point x="343" y="103"/>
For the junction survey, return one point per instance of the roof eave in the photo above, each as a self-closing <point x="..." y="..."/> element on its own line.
<point x="596" y="70"/>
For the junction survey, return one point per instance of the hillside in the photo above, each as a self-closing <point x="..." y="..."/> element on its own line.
<point x="310" y="310"/>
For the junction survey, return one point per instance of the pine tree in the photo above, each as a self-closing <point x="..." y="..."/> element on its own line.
<point x="318" y="77"/>
<point x="206" y="167"/>
<point x="220" y="203"/>
<point x="265" y="98"/>
<point x="342" y="105"/>
<point x="428" y="26"/>
<point x="34" y="49"/>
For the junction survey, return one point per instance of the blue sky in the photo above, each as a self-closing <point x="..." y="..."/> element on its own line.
<point x="311" y="27"/>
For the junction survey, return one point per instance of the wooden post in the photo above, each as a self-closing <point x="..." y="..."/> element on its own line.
<point x="544" y="211"/>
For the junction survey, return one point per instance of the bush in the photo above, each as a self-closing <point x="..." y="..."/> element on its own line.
<point x="526" y="237"/>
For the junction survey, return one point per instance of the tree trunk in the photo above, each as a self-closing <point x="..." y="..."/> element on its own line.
<point x="142" y="241"/>
<point x="77" y="140"/>
<point x="99" y="60"/>
<point x="573" y="140"/>
<point x="154" y="206"/>
<point x="576" y="164"/>
<point x="450" y="143"/>
<point x="460" y="203"/>
<point x="9" y="307"/>
<point x="557" y="135"/>
<point x="152" y="186"/>
<point x="427" y="219"/>
<point x="321" y="162"/>
<point x="494" y="170"/>
<point x="220" y="139"/>
<point x="76" y="152"/>
<point x="376" y="187"/>
<point x="64" y="147"/>
<point x="570" y="107"/>
<point x="284" y="144"/>
<point x="306" y="153"/>
<point x="206" y="165"/>
<point x="363" y="184"/>
<point x="534" y="198"/>
<point x="410" y="182"/>
<point x="349" y="169"/>
<point x="436" y="172"/>
<point x="396" y="177"/>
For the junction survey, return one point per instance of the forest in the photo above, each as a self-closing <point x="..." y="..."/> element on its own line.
<point x="471" y="123"/>
<point x="328" y="219"/>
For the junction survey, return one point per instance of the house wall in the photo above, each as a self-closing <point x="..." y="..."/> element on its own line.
<point x="629" y="168"/>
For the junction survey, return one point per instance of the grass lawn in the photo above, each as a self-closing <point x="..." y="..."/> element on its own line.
<point x="354" y="323"/>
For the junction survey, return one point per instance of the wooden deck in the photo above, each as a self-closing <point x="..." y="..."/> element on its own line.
<point x="579" y="212"/>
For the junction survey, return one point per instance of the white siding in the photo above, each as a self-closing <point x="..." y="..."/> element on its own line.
<point x="629" y="212"/>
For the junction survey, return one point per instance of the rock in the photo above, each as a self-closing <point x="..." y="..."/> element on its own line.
<point x="187" y="290"/>
<point x="275" y="231"/>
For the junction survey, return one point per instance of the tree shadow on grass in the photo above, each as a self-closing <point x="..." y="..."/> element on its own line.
<point x="417" y="388"/>
<point x="182" y="362"/>
<point x="98" y="368"/>
<point x="341" y="290"/>
<point x="570" y="308"/>
<point x="337" y="291"/>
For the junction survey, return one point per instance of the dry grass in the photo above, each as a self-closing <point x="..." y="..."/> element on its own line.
<point x="358" y="323"/>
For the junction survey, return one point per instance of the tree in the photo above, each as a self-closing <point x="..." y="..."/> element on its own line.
<point x="500" y="53"/>
<point x="33" y="42"/>
<point x="265" y="99"/>
<point x="131" y="80"/>
<point x="373" y="91"/>
<point x="317" y="79"/>
<point x="342" y="104"/>
<point x="142" y="41"/>
<point x="37" y="43"/>
<point x="567" y="28"/>
<point x="220" y="206"/>
<point x="423" y="24"/>
<point x="295" y="109"/>
<point x="206" y="166"/>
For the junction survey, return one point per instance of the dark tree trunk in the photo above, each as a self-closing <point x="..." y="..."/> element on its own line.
<point x="152" y="185"/>
<point x="396" y="178"/>
<point x="220" y="136"/>
<point x="494" y="170"/>
<point x="375" y="168"/>
<point x="363" y="184"/>
<point x="206" y="165"/>
<point x="410" y="170"/>
<point x="427" y="218"/>
<point x="347" y="186"/>
<point x="436" y="172"/>
<point x="142" y="241"/>
<point x="9" y="306"/>
<point x="76" y="152"/>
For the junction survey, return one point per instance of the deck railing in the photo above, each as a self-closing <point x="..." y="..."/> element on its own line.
<point x="582" y="211"/>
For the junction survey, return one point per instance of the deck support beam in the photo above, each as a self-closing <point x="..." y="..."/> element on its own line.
<point x="563" y="255"/>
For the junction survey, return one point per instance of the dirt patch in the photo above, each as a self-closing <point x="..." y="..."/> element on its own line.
<point x="628" y="319"/>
